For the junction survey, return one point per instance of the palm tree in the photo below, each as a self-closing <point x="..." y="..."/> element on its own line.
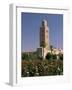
<point x="51" y="48"/>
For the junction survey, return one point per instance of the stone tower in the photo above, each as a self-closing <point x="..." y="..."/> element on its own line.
<point x="44" y="37"/>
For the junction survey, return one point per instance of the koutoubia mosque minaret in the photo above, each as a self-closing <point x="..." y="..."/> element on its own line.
<point x="44" y="37"/>
<point x="44" y="34"/>
<point x="44" y="46"/>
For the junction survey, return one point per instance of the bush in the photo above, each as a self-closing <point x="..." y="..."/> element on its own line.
<point x="29" y="56"/>
<point x="25" y="56"/>
<point x="48" y="56"/>
<point x="54" y="56"/>
<point x="61" y="56"/>
<point x="41" y="68"/>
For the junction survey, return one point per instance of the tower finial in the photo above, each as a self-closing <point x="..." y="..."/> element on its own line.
<point x="44" y="22"/>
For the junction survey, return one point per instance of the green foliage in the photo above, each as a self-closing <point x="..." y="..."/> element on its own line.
<point x="42" y="68"/>
<point x="51" y="56"/>
<point x="54" y="56"/>
<point x="51" y="48"/>
<point x="29" y="56"/>
<point x="48" y="56"/>
<point x="61" y="56"/>
<point x="34" y="66"/>
<point x="31" y="70"/>
<point x="25" y="56"/>
<point x="40" y="58"/>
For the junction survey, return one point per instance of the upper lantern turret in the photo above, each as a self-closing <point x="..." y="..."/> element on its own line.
<point x="44" y="22"/>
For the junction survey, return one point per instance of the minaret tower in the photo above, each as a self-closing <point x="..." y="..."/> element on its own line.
<point x="44" y="37"/>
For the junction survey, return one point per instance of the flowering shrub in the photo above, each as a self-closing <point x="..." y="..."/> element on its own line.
<point x="41" y="67"/>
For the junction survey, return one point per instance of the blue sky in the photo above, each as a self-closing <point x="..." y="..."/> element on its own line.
<point x="30" y="26"/>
